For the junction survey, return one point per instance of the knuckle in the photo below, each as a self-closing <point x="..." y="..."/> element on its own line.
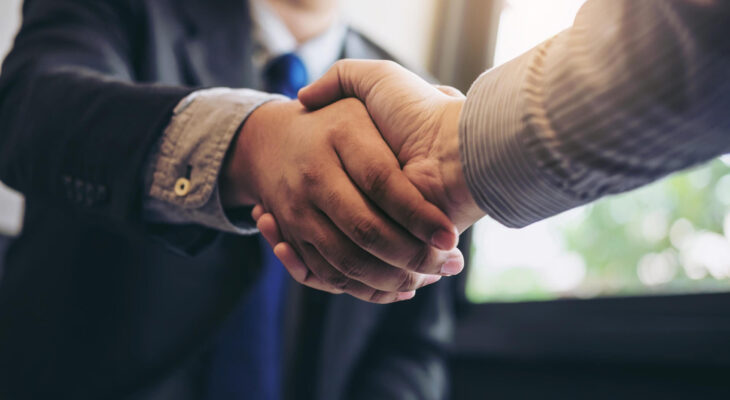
<point x="379" y="296"/>
<point x="386" y="67"/>
<point x="340" y="64"/>
<point x="319" y="241"/>
<point x="339" y="128"/>
<point x="333" y="199"/>
<point x="366" y="233"/>
<point x="307" y="280"/>
<point x="296" y="210"/>
<point x="339" y="282"/>
<point x="351" y="267"/>
<point x="417" y="263"/>
<point x="311" y="280"/>
<point x="311" y="176"/>
<point x="408" y="282"/>
<point x="344" y="68"/>
<point x="376" y="180"/>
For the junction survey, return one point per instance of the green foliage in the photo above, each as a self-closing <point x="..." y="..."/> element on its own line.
<point x="617" y="233"/>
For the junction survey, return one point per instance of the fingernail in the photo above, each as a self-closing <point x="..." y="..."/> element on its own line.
<point x="406" y="295"/>
<point x="443" y="240"/>
<point x="454" y="264"/>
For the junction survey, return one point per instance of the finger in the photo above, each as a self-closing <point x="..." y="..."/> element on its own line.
<point x="450" y="91"/>
<point x="355" y="263"/>
<point x="298" y="271"/>
<point x="346" y="78"/>
<point x="373" y="167"/>
<point x="325" y="272"/>
<point x="269" y="229"/>
<point x="370" y="230"/>
<point x="352" y="260"/>
<point x="257" y="212"/>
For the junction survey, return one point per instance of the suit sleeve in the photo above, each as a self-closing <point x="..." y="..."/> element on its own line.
<point x="632" y="92"/>
<point x="407" y="357"/>
<point x="74" y="127"/>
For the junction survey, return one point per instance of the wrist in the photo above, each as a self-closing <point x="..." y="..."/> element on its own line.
<point x="237" y="181"/>
<point x="463" y="209"/>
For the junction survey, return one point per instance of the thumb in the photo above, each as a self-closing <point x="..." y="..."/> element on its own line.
<point x="346" y="78"/>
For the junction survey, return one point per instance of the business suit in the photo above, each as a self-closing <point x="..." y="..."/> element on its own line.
<point x="107" y="309"/>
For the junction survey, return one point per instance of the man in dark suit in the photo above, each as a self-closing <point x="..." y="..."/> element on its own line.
<point x="123" y="287"/>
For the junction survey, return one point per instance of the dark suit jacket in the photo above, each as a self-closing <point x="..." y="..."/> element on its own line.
<point x="93" y="303"/>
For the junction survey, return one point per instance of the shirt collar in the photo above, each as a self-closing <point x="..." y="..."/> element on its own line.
<point x="273" y="38"/>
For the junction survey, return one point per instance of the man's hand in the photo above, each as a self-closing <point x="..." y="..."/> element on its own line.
<point x="341" y="201"/>
<point x="420" y="122"/>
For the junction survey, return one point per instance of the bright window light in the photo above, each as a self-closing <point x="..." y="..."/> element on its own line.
<point x="524" y="24"/>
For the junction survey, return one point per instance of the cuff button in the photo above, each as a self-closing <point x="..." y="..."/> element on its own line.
<point x="182" y="187"/>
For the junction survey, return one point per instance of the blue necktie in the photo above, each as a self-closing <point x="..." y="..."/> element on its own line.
<point x="247" y="358"/>
<point x="286" y="74"/>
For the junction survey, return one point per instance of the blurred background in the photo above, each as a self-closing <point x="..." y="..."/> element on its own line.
<point x="11" y="203"/>
<point x="629" y="292"/>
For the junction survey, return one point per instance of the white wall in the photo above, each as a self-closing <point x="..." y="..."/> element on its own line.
<point x="9" y="20"/>
<point x="403" y="27"/>
<point x="11" y="204"/>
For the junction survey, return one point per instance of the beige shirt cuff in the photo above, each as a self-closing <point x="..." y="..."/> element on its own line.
<point x="181" y="183"/>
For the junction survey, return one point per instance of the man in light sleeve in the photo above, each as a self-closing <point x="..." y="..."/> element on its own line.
<point x="632" y="92"/>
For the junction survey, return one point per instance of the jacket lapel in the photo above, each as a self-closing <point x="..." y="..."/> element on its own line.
<point x="346" y="333"/>
<point x="357" y="46"/>
<point x="217" y="43"/>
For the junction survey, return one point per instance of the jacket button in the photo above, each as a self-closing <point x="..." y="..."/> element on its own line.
<point x="182" y="187"/>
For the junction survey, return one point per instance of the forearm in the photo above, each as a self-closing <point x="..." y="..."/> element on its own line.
<point x="77" y="130"/>
<point x="74" y="137"/>
<point x="631" y="93"/>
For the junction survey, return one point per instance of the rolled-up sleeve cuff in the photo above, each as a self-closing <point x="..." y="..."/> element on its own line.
<point x="182" y="173"/>
<point x="503" y="175"/>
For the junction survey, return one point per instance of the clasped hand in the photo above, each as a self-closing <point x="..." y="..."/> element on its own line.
<point x="360" y="195"/>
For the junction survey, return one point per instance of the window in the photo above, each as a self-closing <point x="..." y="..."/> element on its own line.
<point x="669" y="238"/>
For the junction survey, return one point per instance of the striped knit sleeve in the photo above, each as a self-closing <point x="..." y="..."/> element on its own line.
<point x="634" y="91"/>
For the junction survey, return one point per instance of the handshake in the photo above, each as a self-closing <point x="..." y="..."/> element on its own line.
<point x="358" y="186"/>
